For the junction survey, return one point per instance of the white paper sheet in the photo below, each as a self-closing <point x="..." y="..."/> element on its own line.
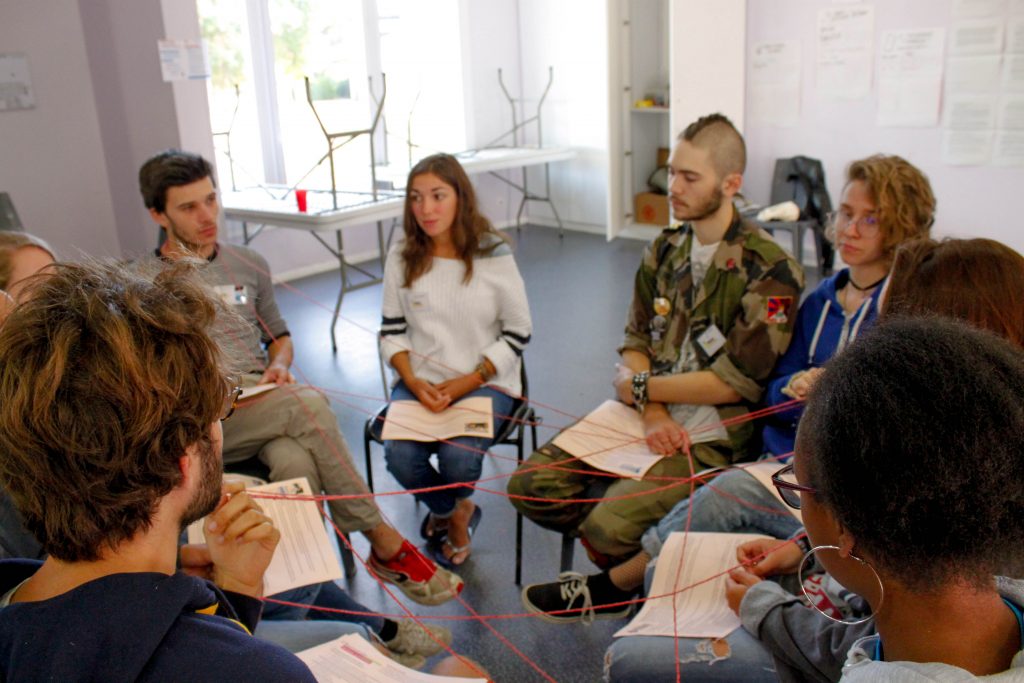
<point x="967" y="148"/>
<point x="351" y="658"/>
<point x="1008" y="148"/>
<point x="1015" y="35"/>
<point x="978" y="9"/>
<point x="1011" y="113"/>
<point x="254" y="391"/>
<point x="611" y="438"/>
<point x="183" y="59"/>
<point x="977" y="74"/>
<point x="845" y="48"/>
<point x="775" y="83"/>
<point x="412" y="421"/>
<point x="982" y="37"/>
<point x="910" y="77"/>
<point x="701" y="610"/>
<point x="1013" y="73"/>
<point x="970" y="112"/>
<point x="15" y="84"/>
<point x="304" y="555"/>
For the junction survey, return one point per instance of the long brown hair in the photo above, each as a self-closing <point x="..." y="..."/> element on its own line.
<point x="469" y="226"/>
<point x="979" y="280"/>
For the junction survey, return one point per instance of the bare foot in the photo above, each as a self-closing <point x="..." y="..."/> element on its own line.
<point x="456" y="548"/>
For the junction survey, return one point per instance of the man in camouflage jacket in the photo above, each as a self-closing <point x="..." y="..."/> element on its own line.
<point x="713" y="306"/>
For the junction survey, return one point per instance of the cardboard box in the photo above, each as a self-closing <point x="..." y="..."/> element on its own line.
<point x="663" y="153"/>
<point x="652" y="208"/>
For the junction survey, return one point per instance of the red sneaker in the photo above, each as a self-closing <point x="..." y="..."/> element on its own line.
<point x="418" y="577"/>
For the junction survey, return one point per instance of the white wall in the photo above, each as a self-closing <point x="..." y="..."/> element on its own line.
<point x="972" y="201"/>
<point x="53" y="162"/>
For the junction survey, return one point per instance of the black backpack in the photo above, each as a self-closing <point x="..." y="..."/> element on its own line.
<point x="802" y="181"/>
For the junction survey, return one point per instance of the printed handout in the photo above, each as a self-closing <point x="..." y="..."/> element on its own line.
<point x="412" y="421"/>
<point x="611" y="438"/>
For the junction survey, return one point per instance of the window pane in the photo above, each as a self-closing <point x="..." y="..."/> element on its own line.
<point x="324" y="42"/>
<point x="226" y="32"/>
<point x="421" y="53"/>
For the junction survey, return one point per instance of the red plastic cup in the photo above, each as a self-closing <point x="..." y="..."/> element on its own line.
<point x="300" y="199"/>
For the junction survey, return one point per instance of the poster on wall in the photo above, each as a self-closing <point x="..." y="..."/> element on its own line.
<point x="182" y="60"/>
<point x="967" y="9"/>
<point x="845" y="40"/>
<point x="775" y="83"/>
<point x="15" y="84"/>
<point x="910" y="77"/>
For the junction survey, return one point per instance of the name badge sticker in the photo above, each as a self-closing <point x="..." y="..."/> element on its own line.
<point x="232" y="295"/>
<point x="418" y="301"/>
<point x="711" y="340"/>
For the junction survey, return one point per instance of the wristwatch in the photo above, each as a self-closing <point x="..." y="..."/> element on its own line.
<point x="640" y="390"/>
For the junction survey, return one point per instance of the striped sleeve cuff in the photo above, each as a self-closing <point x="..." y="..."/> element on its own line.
<point x="392" y="326"/>
<point x="517" y="342"/>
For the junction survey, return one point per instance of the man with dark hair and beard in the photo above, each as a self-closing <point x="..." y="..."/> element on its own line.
<point x="714" y="302"/>
<point x="112" y="394"/>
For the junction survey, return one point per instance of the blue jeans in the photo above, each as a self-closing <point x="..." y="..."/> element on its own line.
<point x="650" y="659"/>
<point x="733" y="502"/>
<point x="296" y="636"/>
<point x="459" y="460"/>
<point x="327" y="594"/>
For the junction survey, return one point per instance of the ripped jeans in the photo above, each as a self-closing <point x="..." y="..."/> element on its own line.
<point x="652" y="659"/>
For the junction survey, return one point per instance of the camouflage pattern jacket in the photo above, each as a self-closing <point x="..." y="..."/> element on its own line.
<point x="750" y="294"/>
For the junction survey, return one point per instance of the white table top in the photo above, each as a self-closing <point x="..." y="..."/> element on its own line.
<point x="277" y="205"/>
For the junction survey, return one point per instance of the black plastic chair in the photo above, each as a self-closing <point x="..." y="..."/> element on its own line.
<point x="802" y="180"/>
<point x="512" y="433"/>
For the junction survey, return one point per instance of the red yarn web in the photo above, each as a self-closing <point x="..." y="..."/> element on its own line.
<point x="484" y="485"/>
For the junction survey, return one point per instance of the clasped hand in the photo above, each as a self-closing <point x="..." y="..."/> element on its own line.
<point x="240" y="542"/>
<point x="759" y="559"/>
<point x="437" y="397"/>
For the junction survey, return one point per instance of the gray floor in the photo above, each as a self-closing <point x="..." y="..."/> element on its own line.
<point x="578" y="289"/>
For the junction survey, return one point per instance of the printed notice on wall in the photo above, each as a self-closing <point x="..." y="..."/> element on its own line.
<point x="910" y="77"/>
<point x="182" y="60"/>
<point x="845" y="48"/>
<point x="976" y="9"/>
<point x="15" y="84"/>
<point x="775" y="83"/>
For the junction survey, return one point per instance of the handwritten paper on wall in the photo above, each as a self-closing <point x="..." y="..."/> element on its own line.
<point x="845" y="48"/>
<point x="775" y="83"/>
<point x="910" y="77"/>
<point x="15" y="84"/>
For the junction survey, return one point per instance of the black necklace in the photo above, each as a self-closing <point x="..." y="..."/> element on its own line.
<point x="868" y="287"/>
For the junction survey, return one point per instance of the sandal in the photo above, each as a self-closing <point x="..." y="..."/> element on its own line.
<point x="437" y="551"/>
<point x="433" y="531"/>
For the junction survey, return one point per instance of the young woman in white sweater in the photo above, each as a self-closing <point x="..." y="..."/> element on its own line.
<point x="454" y="323"/>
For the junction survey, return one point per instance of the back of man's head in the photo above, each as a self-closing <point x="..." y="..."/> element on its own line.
<point x="106" y="378"/>
<point x="716" y="134"/>
<point x="170" y="169"/>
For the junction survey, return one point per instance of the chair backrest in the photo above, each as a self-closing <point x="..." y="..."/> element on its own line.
<point x="521" y="410"/>
<point x="802" y="181"/>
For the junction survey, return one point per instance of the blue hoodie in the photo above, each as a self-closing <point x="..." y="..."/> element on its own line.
<point x="136" y="627"/>
<point x="822" y="329"/>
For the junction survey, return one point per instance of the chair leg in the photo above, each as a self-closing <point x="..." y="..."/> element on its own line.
<point x="568" y="546"/>
<point x="519" y="549"/>
<point x="369" y="461"/>
<point x="348" y="559"/>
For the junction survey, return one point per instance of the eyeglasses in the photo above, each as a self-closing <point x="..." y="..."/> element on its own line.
<point x="230" y="403"/>
<point x="789" y="490"/>
<point x="867" y="226"/>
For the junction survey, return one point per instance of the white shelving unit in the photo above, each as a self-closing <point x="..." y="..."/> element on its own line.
<point x="692" y="55"/>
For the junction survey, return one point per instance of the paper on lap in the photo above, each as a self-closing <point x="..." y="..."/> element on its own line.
<point x="304" y="555"/>
<point x="351" y="658"/>
<point x="412" y="421"/>
<point x="254" y="391"/>
<point x="701" y="610"/>
<point x="610" y="438"/>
